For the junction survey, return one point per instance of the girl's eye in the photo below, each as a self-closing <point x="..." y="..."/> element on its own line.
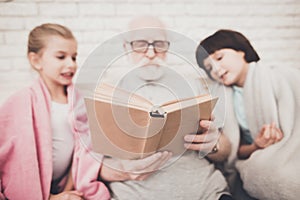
<point x="61" y="57"/>
<point x="74" y="58"/>
<point x="219" y="57"/>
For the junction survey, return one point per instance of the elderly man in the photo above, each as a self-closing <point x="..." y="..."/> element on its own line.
<point x="161" y="175"/>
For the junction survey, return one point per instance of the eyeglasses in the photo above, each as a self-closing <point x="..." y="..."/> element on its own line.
<point x="141" y="46"/>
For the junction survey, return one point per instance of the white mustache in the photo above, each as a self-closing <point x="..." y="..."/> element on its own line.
<point x="156" y="62"/>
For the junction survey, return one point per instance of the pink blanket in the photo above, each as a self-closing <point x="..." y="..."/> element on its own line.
<point x="26" y="147"/>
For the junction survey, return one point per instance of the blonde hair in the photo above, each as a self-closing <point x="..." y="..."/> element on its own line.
<point x="37" y="37"/>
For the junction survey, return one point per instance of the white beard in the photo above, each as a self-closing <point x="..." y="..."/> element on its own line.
<point x="150" y="72"/>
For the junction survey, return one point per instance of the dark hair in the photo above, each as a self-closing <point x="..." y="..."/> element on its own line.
<point x="225" y="39"/>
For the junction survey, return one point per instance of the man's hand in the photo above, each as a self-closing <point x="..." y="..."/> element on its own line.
<point x="121" y="170"/>
<point x="205" y="141"/>
<point x="67" y="195"/>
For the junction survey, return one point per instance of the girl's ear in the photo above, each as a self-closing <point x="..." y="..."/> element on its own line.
<point x="34" y="59"/>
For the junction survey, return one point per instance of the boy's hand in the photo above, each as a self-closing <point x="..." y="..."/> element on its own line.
<point x="268" y="135"/>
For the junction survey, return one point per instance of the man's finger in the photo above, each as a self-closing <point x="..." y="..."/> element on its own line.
<point x="200" y="146"/>
<point x="205" y="124"/>
<point x="141" y="164"/>
<point x="205" y="137"/>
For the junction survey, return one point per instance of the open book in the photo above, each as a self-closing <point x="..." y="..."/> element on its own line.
<point x="128" y="126"/>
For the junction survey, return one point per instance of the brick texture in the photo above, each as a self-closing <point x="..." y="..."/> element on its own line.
<point x="271" y="25"/>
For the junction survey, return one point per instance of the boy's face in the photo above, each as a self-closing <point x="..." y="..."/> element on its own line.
<point x="227" y="66"/>
<point x="56" y="62"/>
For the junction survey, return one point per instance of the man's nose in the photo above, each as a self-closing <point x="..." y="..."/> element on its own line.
<point x="150" y="52"/>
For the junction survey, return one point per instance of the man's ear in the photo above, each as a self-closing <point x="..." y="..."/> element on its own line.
<point x="34" y="60"/>
<point x="125" y="46"/>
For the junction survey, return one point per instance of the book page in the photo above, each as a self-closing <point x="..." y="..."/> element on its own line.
<point x="118" y="96"/>
<point x="185" y="99"/>
<point x="177" y="105"/>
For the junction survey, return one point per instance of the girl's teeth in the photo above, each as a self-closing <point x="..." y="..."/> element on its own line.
<point x="67" y="74"/>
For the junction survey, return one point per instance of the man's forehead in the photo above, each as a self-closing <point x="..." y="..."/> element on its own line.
<point x="149" y="34"/>
<point x="145" y="22"/>
<point x="146" y="28"/>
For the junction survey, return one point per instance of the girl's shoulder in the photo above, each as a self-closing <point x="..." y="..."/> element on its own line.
<point x="21" y="96"/>
<point x="16" y="104"/>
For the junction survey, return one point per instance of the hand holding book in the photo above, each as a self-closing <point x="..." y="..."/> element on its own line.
<point x="114" y="169"/>
<point x="205" y="141"/>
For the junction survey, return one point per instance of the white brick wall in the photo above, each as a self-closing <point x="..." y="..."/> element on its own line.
<point x="273" y="27"/>
<point x="57" y="9"/>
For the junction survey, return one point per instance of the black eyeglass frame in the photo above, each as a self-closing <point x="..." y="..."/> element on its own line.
<point x="150" y="44"/>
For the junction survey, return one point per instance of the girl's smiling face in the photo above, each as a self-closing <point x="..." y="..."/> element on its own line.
<point x="56" y="62"/>
<point x="227" y="66"/>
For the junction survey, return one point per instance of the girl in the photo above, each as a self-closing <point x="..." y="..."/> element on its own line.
<point x="40" y="153"/>
<point x="263" y="107"/>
